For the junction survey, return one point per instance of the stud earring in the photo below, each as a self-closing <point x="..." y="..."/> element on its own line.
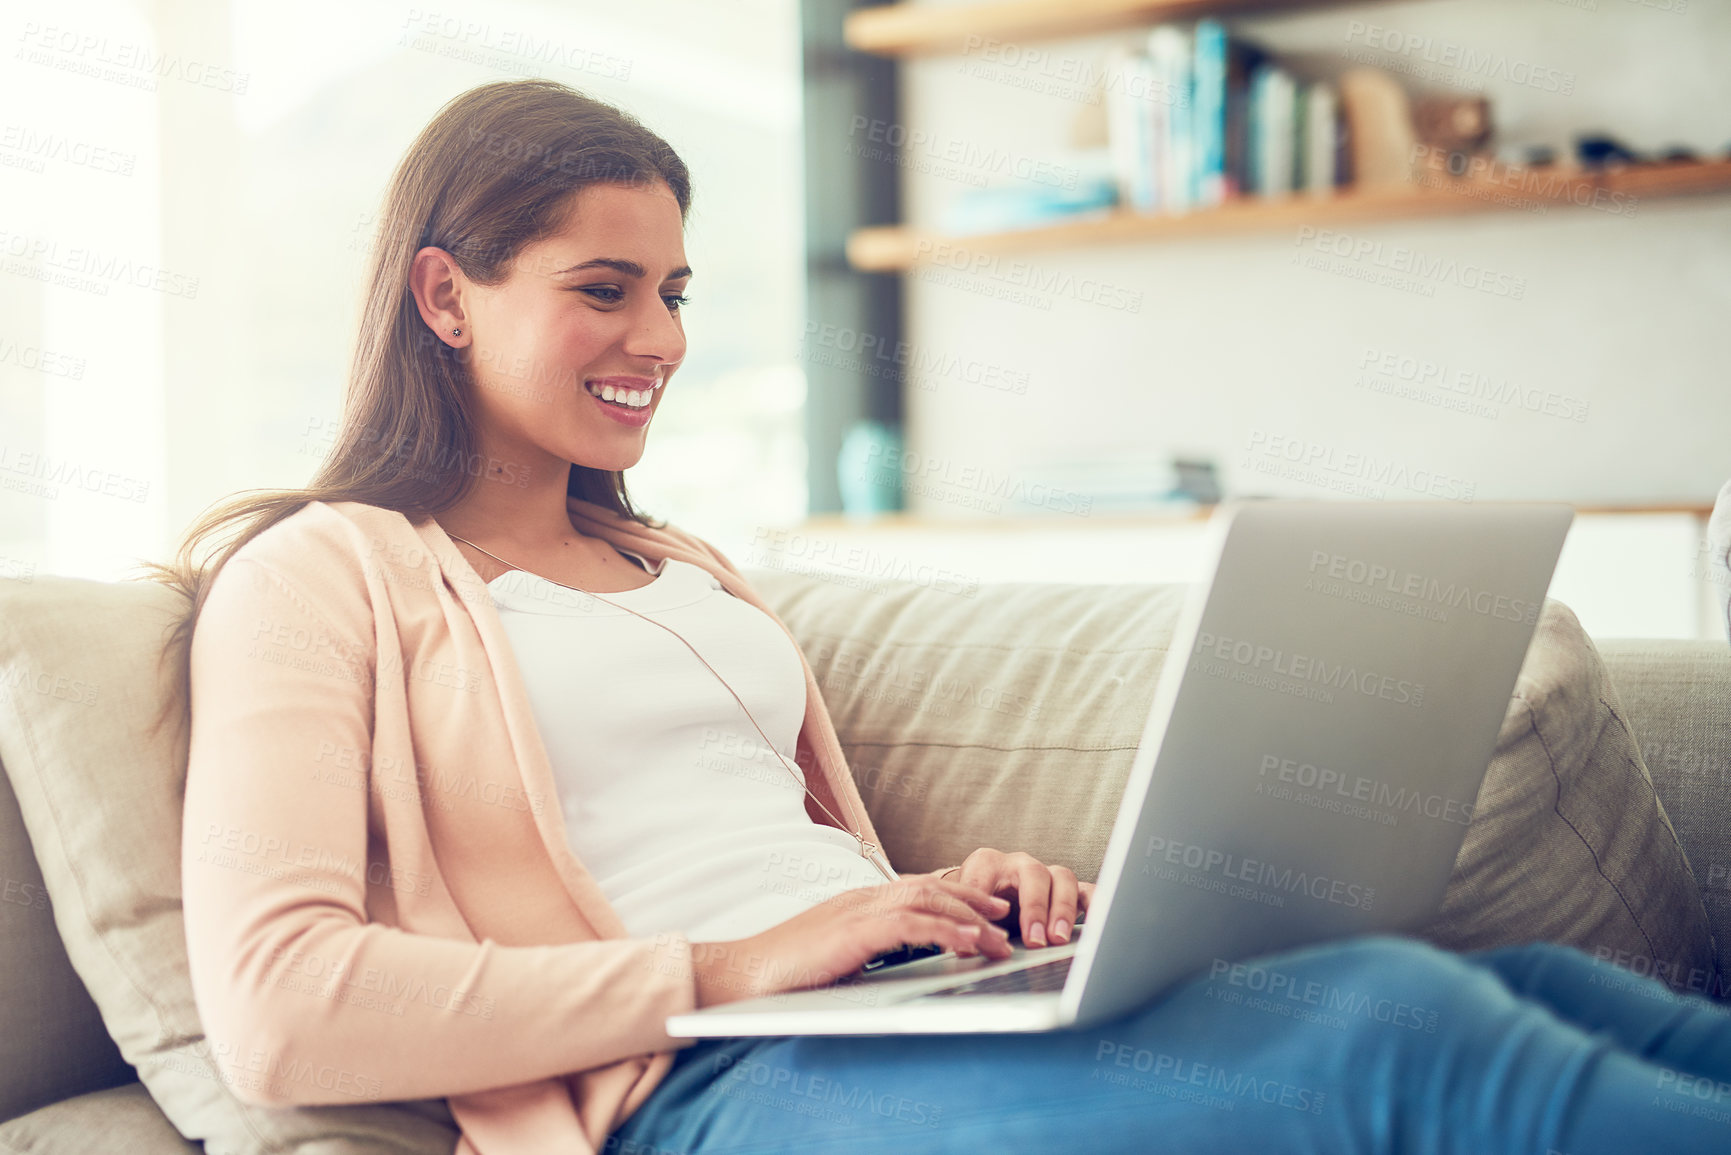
<point x="456" y="332"/>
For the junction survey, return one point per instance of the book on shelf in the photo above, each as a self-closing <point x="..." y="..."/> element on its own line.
<point x="1322" y="140"/>
<point x="1170" y="48"/>
<point x="1273" y="94"/>
<point x="1242" y="60"/>
<point x="1208" y="109"/>
<point x="1127" y="128"/>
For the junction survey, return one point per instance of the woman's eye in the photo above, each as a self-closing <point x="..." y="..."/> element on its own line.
<point x="613" y="295"/>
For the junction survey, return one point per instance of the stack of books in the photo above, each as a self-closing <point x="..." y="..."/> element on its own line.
<point x="1197" y="117"/>
<point x="1114" y="480"/>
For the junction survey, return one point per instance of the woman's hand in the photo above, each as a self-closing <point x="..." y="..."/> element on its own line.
<point x="844" y="932"/>
<point x="1048" y="898"/>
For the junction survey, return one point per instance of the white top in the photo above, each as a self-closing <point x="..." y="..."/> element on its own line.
<point x="670" y="799"/>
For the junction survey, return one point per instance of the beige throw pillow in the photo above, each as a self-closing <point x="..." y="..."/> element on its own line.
<point x="1569" y="842"/>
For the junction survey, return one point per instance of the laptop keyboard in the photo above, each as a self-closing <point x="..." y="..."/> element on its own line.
<point x="1041" y="978"/>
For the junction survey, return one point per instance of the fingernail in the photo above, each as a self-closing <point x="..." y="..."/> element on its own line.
<point x="972" y="930"/>
<point x="1001" y="901"/>
<point x="1061" y="931"/>
<point x="1037" y="935"/>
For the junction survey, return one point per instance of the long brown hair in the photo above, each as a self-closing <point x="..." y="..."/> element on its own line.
<point x="492" y="173"/>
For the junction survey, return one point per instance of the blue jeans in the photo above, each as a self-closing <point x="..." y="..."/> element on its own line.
<point x="1370" y="1044"/>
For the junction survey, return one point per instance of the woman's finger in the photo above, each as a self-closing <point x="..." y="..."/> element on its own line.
<point x="957" y="901"/>
<point x="1065" y="894"/>
<point x="963" y="939"/>
<point x="1034" y="896"/>
<point x="963" y="909"/>
<point x="992" y="906"/>
<point x="981" y="878"/>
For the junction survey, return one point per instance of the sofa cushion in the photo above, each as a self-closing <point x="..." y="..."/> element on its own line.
<point x="1008" y="715"/>
<point x="124" y="1118"/>
<point x="101" y="796"/>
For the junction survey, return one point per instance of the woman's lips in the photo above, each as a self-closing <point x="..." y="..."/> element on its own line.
<point x="634" y="418"/>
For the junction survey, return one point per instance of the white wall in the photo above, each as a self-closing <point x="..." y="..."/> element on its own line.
<point x="1625" y="313"/>
<point x="87" y="292"/>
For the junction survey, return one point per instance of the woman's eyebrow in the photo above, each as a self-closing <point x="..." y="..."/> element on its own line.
<point x="620" y="264"/>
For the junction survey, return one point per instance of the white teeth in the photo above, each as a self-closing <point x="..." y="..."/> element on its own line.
<point x="635" y="398"/>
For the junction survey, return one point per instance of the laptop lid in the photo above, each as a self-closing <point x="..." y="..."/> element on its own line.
<point x="1330" y="703"/>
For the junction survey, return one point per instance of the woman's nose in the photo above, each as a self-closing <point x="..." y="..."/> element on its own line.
<point x="657" y="333"/>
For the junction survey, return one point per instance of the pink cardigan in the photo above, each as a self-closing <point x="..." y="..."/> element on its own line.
<point x="380" y="902"/>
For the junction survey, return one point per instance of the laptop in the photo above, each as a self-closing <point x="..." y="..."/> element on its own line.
<point x="1326" y="712"/>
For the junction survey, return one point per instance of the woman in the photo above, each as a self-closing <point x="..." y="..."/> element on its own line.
<point x="414" y="866"/>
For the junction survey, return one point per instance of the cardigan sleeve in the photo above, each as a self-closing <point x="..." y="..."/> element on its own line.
<point x="305" y="1001"/>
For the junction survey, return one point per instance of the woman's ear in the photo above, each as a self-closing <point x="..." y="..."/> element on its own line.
<point x="438" y="284"/>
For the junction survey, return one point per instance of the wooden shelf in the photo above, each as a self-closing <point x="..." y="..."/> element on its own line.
<point x="895" y="247"/>
<point x="914" y="29"/>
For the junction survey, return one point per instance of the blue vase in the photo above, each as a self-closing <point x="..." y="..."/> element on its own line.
<point x="869" y="469"/>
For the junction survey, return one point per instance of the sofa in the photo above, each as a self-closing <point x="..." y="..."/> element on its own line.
<point x="996" y="715"/>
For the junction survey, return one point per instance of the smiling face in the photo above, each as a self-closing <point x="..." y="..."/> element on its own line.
<point x="592" y="309"/>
